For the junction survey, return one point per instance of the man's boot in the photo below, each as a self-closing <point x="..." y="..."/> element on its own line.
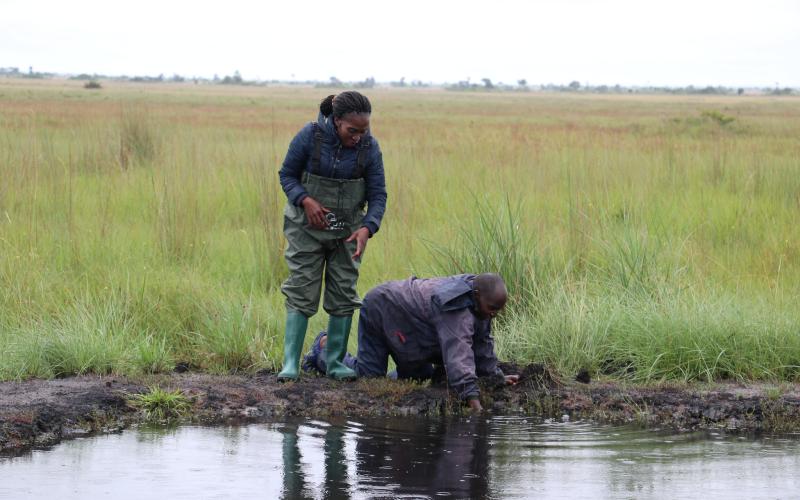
<point x="336" y="347"/>
<point x="296" y="324"/>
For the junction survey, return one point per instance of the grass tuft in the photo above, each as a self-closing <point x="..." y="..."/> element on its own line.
<point x="159" y="405"/>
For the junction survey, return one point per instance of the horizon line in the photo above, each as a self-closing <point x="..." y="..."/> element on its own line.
<point x="333" y="82"/>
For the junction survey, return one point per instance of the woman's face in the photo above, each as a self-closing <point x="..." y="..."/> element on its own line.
<point x="351" y="128"/>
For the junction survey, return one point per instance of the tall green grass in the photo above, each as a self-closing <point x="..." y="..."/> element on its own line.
<point x="641" y="237"/>
<point x="630" y="312"/>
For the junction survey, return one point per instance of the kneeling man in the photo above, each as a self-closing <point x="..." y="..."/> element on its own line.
<point x="427" y="323"/>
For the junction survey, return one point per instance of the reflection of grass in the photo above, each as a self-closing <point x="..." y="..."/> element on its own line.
<point x="640" y="238"/>
<point x="159" y="405"/>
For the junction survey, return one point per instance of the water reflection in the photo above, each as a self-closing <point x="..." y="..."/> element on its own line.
<point x="391" y="456"/>
<point x="294" y="481"/>
<point x="446" y="457"/>
<point x="499" y="457"/>
<point x="335" y="483"/>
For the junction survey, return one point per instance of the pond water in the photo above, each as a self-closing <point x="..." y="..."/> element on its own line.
<point x="478" y="457"/>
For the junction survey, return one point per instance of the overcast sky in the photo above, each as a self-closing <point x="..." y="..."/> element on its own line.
<point x="630" y="42"/>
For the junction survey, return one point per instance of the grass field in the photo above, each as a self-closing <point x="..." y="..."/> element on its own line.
<point x="643" y="237"/>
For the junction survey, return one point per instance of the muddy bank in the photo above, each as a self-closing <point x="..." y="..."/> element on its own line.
<point x="43" y="412"/>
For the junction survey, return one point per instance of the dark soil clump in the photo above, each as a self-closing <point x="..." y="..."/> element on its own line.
<point x="39" y="413"/>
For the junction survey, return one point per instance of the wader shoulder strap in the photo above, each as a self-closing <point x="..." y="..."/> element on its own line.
<point x="361" y="159"/>
<point x="316" y="151"/>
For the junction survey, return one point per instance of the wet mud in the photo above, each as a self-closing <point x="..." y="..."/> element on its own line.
<point x="39" y="413"/>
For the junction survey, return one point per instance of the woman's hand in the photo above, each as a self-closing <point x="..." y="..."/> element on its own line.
<point x="512" y="379"/>
<point x="315" y="213"/>
<point x="361" y="236"/>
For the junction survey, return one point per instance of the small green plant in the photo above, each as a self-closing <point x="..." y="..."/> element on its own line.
<point x="775" y="393"/>
<point x="717" y="116"/>
<point x="159" y="405"/>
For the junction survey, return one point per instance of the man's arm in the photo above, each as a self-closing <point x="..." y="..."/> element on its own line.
<point x="485" y="357"/>
<point x="483" y="346"/>
<point x="454" y="330"/>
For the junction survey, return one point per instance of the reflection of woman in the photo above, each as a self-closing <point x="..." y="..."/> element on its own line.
<point x="294" y="480"/>
<point x="333" y="169"/>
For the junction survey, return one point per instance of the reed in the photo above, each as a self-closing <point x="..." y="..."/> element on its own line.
<point x="643" y="237"/>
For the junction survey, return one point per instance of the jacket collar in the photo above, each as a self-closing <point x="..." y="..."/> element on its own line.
<point x="455" y="293"/>
<point x="325" y="124"/>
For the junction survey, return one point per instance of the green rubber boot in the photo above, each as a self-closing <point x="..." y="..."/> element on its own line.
<point x="338" y="333"/>
<point x="296" y="324"/>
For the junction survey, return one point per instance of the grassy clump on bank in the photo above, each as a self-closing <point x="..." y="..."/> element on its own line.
<point x="641" y="236"/>
<point x="159" y="405"/>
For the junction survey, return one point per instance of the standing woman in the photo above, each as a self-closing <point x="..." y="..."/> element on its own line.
<point x="333" y="169"/>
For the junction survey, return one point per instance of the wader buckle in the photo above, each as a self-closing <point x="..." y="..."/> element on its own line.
<point x="334" y="222"/>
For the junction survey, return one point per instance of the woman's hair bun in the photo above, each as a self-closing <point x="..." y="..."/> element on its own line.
<point x="326" y="106"/>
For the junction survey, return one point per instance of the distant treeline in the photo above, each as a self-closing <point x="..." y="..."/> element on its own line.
<point x="484" y="85"/>
<point x="576" y="87"/>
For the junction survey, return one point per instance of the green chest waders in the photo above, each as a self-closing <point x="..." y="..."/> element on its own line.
<point x="312" y="254"/>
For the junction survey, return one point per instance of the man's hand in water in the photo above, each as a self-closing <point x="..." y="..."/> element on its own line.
<point x="475" y="405"/>
<point x="512" y="379"/>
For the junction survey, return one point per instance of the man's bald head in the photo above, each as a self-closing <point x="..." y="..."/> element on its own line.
<point x="491" y="294"/>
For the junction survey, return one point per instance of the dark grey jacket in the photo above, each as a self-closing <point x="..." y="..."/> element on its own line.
<point x="433" y="320"/>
